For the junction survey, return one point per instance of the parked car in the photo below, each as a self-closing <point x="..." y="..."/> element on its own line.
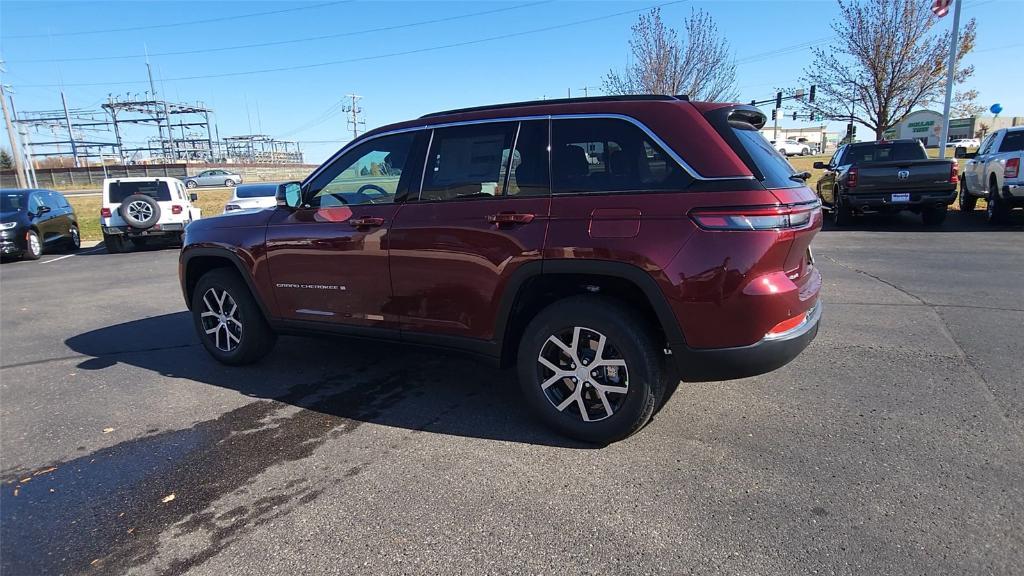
<point x="214" y="178"/>
<point x="887" y="176"/>
<point x="684" y="252"/>
<point x="137" y="210"/>
<point x="792" y="148"/>
<point x="965" y="143"/>
<point x="993" y="173"/>
<point x="252" y="196"/>
<point x="36" y="221"/>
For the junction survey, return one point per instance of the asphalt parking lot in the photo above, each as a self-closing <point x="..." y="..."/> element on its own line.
<point x="893" y="445"/>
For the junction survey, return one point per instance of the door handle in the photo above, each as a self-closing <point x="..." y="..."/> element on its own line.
<point x="366" y="222"/>
<point x="510" y="218"/>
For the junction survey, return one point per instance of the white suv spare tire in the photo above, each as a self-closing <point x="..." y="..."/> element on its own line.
<point x="140" y="211"/>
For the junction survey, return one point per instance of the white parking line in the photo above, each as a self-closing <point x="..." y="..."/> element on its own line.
<point x="91" y="251"/>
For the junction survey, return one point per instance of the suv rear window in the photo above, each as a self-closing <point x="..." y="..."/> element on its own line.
<point x="874" y="152"/>
<point x="156" y="190"/>
<point x="774" y="168"/>
<point x="1012" y="142"/>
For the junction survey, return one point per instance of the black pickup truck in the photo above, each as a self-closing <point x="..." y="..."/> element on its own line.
<point x="887" y="176"/>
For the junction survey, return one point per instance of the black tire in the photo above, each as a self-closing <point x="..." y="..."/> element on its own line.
<point x="967" y="202"/>
<point x="996" y="211"/>
<point x="74" y="239"/>
<point x="934" y="216"/>
<point x="130" y="207"/>
<point x="254" y="336"/>
<point x="627" y="338"/>
<point x="841" y="214"/>
<point x="115" y="243"/>
<point x="229" y="183"/>
<point x="33" y="246"/>
<point x="191" y="184"/>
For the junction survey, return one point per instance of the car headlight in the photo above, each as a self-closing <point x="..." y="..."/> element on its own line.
<point x="8" y="225"/>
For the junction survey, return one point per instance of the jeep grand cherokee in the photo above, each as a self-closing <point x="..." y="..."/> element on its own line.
<point x="607" y="247"/>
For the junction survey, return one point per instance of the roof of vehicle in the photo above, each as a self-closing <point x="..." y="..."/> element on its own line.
<point x="142" y="179"/>
<point x="24" y="190"/>
<point x="658" y="112"/>
<point x="886" y="142"/>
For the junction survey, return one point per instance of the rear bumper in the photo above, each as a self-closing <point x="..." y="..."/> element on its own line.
<point x="158" y="230"/>
<point x="882" y="201"/>
<point x="770" y="353"/>
<point x="1014" y="193"/>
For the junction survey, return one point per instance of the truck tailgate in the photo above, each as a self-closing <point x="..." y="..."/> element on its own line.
<point x="903" y="176"/>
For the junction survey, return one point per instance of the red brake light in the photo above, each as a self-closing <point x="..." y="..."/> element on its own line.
<point x="104" y="212"/>
<point x="1012" y="168"/>
<point x="851" y="178"/>
<point x="756" y="217"/>
<point x="175" y="209"/>
<point x="954" y="173"/>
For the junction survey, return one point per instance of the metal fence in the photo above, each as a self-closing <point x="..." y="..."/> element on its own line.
<point x="92" y="176"/>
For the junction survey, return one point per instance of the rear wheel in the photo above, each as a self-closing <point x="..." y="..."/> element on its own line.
<point x="114" y="243"/>
<point x="591" y="369"/>
<point x="967" y="202"/>
<point x="191" y="184"/>
<point x="229" y="182"/>
<point x="228" y="320"/>
<point x="74" y="239"/>
<point x="841" y="213"/>
<point x="33" y="246"/>
<point x="996" y="210"/>
<point x="934" y="216"/>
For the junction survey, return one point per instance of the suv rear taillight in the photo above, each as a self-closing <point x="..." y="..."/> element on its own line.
<point x="175" y="209"/>
<point x="1012" y="169"/>
<point x="851" y="178"/>
<point x="756" y="218"/>
<point x="954" y="173"/>
<point x="104" y="212"/>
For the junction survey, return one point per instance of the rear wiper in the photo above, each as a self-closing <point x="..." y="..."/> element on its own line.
<point x="800" y="176"/>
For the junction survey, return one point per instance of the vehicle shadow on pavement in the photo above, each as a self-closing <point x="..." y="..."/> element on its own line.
<point x="909" y="222"/>
<point x="386" y="383"/>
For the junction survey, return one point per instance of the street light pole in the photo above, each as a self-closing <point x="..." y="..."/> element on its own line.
<point x="953" y="46"/>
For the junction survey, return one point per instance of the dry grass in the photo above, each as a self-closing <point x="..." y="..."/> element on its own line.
<point x="211" y="202"/>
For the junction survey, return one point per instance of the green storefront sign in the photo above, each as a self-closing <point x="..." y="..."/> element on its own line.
<point x="922" y="126"/>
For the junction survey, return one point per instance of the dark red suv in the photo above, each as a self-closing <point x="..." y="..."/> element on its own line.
<point x="608" y="247"/>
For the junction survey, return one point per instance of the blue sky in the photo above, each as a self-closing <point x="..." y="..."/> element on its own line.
<point x="38" y="38"/>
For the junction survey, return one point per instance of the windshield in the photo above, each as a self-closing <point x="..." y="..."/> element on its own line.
<point x="256" y="191"/>
<point x="775" y="169"/>
<point x="156" y="189"/>
<point x="889" y="152"/>
<point x="11" y="201"/>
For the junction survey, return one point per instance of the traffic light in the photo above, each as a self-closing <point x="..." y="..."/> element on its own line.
<point x="775" y="114"/>
<point x="812" y="117"/>
<point x="753" y="102"/>
<point x="849" y="131"/>
<point x="811" y="97"/>
<point x="778" y="99"/>
<point x="794" y="116"/>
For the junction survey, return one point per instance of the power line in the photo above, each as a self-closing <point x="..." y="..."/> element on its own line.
<point x="292" y="41"/>
<point x="179" y="24"/>
<point x="380" y="56"/>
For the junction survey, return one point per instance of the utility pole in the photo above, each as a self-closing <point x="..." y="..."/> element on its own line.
<point x="586" y="90"/>
<point x="953" y="45"/>
<point x="19" y="164"/>
<point x="71" y="129"/>
<point x="30" y="168"/>
<point x="354" y="122"/>
<point x="167" y="116"/>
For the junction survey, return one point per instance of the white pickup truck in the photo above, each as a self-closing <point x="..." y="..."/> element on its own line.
<point x="994" y="173"/>
<point x="136" y="210"/>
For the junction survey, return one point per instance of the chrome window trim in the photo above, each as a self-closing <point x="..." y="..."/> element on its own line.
<point x="550" y="117"/>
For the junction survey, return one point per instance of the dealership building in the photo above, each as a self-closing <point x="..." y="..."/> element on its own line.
<point x="926" y="125"/>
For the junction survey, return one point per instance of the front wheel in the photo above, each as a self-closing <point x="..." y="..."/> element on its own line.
<point x="33" y="246"/>
<point x="191" y="184"/>
<point x="591" y="369"/>
<point x="229" y="183"/>
<point x="228" y="319"/>
<point x="967" y="202"/>
<point x="74" y="239"/>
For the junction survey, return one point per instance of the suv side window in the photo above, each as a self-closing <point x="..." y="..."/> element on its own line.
<point x="529" y="175"/>
<point x="370" y="173"/>
<point x="603" y="155"/>
<point x="1012" y="141"/>
<point x="467" y="162"/>
<point x="34" y="203"/>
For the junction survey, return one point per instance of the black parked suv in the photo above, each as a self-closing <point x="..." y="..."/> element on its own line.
<point x="36" y="221"/>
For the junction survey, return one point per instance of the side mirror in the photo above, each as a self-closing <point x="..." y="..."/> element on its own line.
<point x="42" y="210"/>
<point x="961" y="152"/>
<point x="289" y="195"/>
<point x="193" y="197"/>
<point x="820" y="166"/>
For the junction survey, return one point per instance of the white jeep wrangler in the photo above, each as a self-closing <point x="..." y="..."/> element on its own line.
<point x="137" y="209"/>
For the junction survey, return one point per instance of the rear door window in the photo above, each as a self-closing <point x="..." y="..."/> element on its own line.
<point x="1012" y="142"/>
<point x="467" y="162"/>
<point x="156" y="189"/>
<point x="606" y="155"/>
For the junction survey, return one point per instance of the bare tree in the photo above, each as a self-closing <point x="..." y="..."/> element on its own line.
<point x="886" y="61"/>
<point x="700" y="65"/>
<point x="965" y="104"/>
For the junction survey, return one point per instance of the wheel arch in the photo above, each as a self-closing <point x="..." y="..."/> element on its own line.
<point x="536" y="285"/>
<point x="198" y="261"/>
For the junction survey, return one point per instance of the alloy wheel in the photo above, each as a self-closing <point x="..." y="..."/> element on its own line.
<point x="34" y="245"/>
<point x="76" y="239"/>
<point x="140" y="210"/>
<point x="579" y="368"/>
<point x="220" y="319"/>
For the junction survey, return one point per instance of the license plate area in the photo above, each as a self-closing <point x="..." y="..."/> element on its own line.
<point x="900" y="198"/>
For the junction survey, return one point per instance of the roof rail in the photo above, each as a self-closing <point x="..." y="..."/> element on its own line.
<point x="631" y="98"/>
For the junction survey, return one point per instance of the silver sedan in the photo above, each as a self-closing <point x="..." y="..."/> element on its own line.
<point x="214" y="178"/>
